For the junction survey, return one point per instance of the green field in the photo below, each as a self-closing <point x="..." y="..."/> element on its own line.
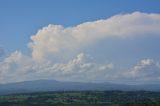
<point x="83" y="98"/>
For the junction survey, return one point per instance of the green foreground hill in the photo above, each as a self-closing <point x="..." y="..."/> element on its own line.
<point x="83" y="98"/>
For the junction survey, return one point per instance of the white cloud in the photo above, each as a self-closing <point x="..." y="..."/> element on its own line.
<point x="12" y="66"/>
<point x="82" y="68"/>
<point x="18" y="67"/>
<point x="1" y="51"/>
<point x="55" y="39"/>
<point x="55" y="42"/>
<point x="146" y="71"/>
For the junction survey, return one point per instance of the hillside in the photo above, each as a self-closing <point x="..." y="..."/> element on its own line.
<point x="83" y="98"/>
<point x="52" y="85"/>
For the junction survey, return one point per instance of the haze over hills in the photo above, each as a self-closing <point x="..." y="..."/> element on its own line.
<point x="53" y="85"/>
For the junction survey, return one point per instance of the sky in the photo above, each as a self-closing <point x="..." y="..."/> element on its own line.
<point x="82" y="40"/>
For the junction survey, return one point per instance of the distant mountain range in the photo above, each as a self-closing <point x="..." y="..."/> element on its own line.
<point x="52" y="85"/>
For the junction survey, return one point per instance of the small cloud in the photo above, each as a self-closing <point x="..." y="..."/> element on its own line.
<point x="1" y="52"/>
<point x="147" y="70"/>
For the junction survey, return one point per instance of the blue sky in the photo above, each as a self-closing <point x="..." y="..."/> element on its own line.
<point x="19" y="20"/>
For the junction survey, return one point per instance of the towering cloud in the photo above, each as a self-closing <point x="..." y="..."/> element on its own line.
<point x="55" y="42"/>
<point x="55" y="39"/>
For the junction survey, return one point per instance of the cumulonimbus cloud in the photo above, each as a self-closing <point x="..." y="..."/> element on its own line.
<point x="55" y="39"/>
